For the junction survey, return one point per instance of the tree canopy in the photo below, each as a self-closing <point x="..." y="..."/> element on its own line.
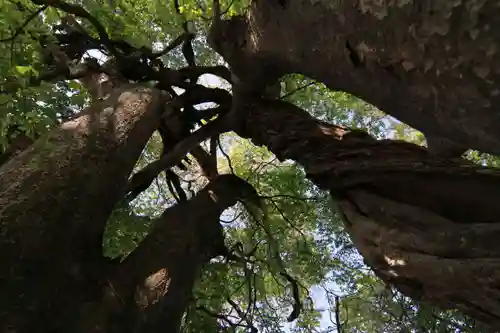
<point x="289" y="256"/>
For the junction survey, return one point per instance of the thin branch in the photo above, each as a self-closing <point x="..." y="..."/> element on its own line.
<point x="215" y="315"/>
<point x="224" y="318"/>
<point x="213" y="150"/>
<point x="232" y="220"/>
<point x="337" y="314"/>
<point x="298" y="89"/>
<point x="82" y="13"/>
<point x="226" y="156"/>
<point x="144" y="177"/>
<point x="228" y="7"/>
<point x="297" y="305"/>
<point x="242" y="315"/>
<point x="25" y="24"/>
<point x="288" y="221"/>
<point x="175" y="43"/>
<point x="291" y="197"/>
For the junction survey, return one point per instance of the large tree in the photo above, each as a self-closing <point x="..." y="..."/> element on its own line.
<point x="422" y="218"/>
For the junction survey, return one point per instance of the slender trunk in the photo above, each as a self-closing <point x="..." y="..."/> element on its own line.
<point x="433" y="65"/>
<point x="55" y="198"/>
<point x="427" y="225"/>
<point x="150" y="290"/>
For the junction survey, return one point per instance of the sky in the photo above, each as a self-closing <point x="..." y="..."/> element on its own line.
<point x="317" y="293"/>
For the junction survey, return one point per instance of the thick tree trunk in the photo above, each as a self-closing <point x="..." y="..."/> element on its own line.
<point x="427" y="225"/>
<point x="434" y="65"/>
<point x="150" y="290"/>
<point x="55" y="198"/>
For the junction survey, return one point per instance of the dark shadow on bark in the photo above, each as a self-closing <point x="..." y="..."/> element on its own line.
<point x="150" y="290"/>
<point x="55" y="198"/>
<point x="427" y="225"/>
<point x="433" y="66"/>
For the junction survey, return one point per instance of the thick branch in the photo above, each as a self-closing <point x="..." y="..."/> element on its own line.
<point x="427" y="225"/>
<point x="143" y="178"/>
<point x="184" y="238"/>
<point x="81" y="12"/>
<point x="437" y="77"/>
<point x="55" y="200"/>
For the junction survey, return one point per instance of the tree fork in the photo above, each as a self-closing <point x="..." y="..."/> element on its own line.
<point x="427" y="225"/>
<point x="440" y="69"/>
<point x="55" y="198"/>
<point x="150" y="290"/>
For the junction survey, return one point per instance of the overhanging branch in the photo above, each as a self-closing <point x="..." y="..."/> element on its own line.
<point x="81" y="12"/>
<point x="142" y="179"/>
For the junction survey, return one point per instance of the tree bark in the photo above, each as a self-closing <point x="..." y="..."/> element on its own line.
<point x="427" y="225"/>
<point x="431" y="64"/>
<point x="183" y="240"/>
<point x="55" y="198"/>
<point x="150" y="290"/>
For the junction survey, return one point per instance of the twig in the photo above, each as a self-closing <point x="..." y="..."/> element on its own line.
<point x="226" y="156"/>
<point x="215" y="315"/>
<point x="337" y="314"/>
<point x="144" y="177"/>
<point x="297" y="306"/>
<point x="228" y="7"/>
<point x="298" y="89"/>
<point x="243" y="315"/>
<point x="81" y="12"/>
<point x="232" y="220"/>
<point x="175" y="43"/>
<point x="24" y="25"/>
<point x="288" y="221"/>
<point x="291" y="197"/>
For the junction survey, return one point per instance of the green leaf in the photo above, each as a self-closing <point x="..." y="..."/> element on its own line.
<point x="24" y="69"/>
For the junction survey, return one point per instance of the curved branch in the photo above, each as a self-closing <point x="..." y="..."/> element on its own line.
<point x="25" y="24"/>
<point x="158" y="276"/>
<point x="81" y="12"/>
<point x="142" y="179"/>
<point x="197" y="94"/>
<point x="297" y="306"/>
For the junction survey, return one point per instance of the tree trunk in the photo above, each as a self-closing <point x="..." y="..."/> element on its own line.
<point x="55" y="198"/>
<point x="427" y="225"/>
<point x="150" y="290"/>
<point x="434" y="65"/>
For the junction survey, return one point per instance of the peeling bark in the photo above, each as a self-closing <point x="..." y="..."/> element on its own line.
<point x="427" y="225"/>
<point x="55" y="198"/>
<point x="434" y="65"/>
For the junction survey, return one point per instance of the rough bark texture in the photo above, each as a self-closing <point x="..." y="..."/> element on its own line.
<point x="55" y="198"/>
<point x="434" y="65"/>
<point x="157" y="279"/>
<point x="150" y="289"/>
<point x="427" y="225"/>
<point x="16" y="146"/>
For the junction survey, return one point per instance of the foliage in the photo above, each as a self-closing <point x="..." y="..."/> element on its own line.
<point x="299" y="230"/>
